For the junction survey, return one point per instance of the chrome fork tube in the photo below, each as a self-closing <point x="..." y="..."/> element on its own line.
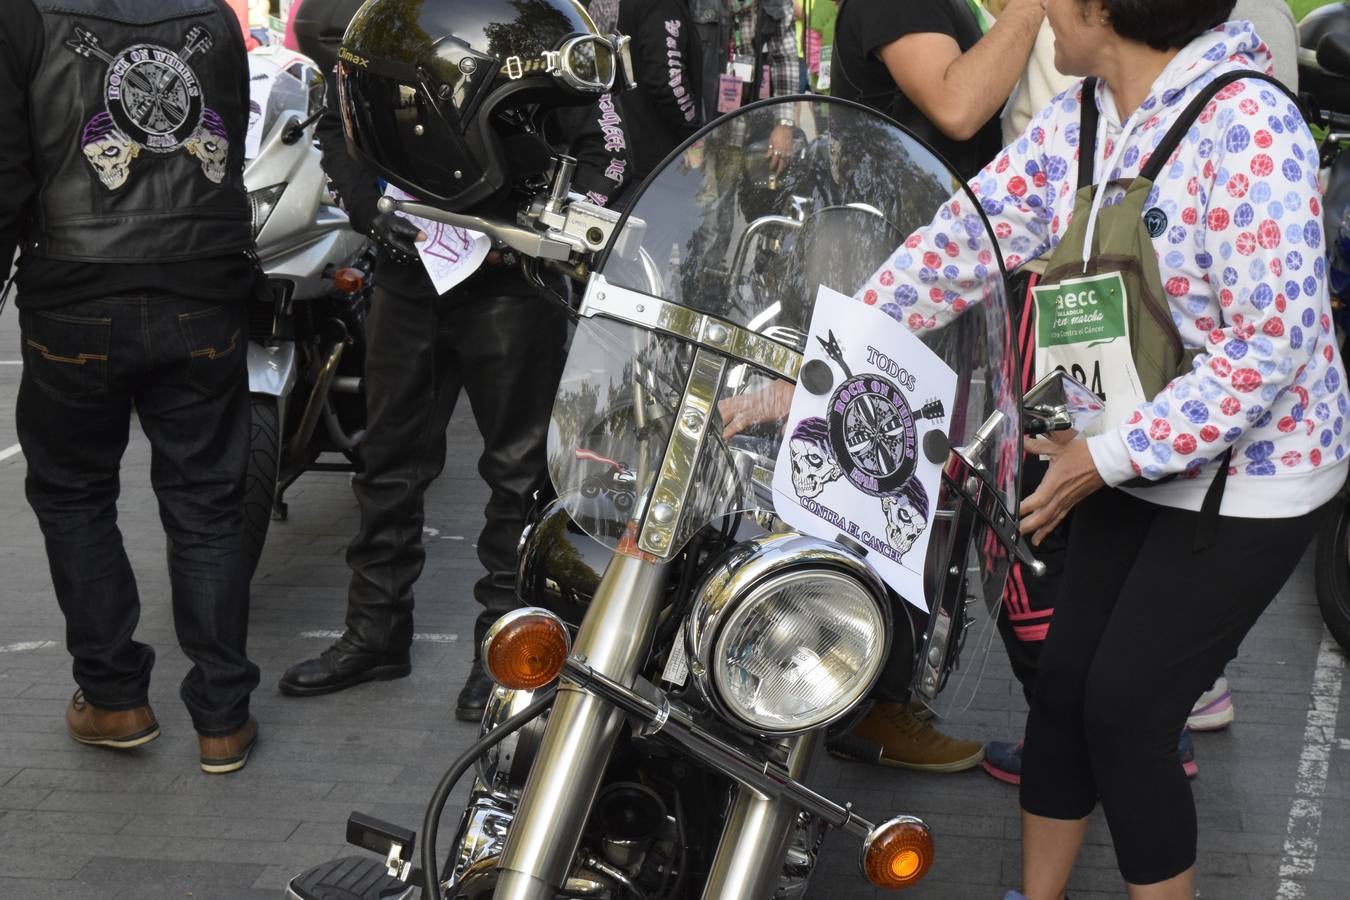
<point x="749" y="859"/>
<point x="614" y="638"/>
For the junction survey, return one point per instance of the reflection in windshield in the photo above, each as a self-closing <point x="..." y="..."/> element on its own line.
<point x="720" y="215"/>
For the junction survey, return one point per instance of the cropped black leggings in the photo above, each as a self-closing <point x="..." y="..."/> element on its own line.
<point x="1145" y="623"/>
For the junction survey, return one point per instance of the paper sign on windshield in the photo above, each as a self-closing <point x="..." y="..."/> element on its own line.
<point x="853" y="462"/>
<point x="450" y="254"/>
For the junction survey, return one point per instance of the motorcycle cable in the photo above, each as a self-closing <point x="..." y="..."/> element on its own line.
<point x="431" y="882"/>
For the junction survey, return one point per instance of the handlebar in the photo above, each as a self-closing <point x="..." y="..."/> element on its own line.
<point x="523" y="240"/>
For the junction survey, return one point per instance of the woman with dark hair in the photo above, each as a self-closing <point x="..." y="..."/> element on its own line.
<point x="1160" y="590"/>
<point x="1193" y="503"/>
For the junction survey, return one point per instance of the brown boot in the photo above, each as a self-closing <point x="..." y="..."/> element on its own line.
<point x="119" y="729"/>
<point x="894" y="736"/>
<point x="228" y="753"/>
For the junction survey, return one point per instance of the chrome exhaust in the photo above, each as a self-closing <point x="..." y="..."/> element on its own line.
<point x="314" y="405"/>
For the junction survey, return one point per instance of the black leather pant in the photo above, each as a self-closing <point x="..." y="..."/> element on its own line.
<point x="499" y="340"/>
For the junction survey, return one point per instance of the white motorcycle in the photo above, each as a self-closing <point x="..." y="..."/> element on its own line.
<point x="306" y="336"/>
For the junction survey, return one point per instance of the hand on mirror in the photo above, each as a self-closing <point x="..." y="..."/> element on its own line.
<point x="746" y="410"/>
<point x="780" y="147"/>
<point x="1071" y="476"/>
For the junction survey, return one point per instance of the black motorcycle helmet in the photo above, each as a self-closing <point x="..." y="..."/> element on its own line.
<point x="319" y="26"/>
<point x="436" y="94"/>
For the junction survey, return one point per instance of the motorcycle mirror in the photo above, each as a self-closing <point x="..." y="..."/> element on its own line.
<point x="296" y="129"/>
<point x="1058" y="402"/>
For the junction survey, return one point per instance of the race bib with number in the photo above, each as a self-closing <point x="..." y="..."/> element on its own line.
<point x="1082" y="328"/>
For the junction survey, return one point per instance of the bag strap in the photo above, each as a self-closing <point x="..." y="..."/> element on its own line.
<point x="761" y="34"/>
<point x="1168" y="145"/>
<point x="1207" y="524"/>
<point x="1087" y="133"/>
<point x="1090" y="116"/>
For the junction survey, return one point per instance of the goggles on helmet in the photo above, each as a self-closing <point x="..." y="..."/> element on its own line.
<point x="584" y="62"/>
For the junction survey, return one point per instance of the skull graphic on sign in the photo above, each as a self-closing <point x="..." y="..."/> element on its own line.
<point x="906" y="513"/>
<point x="813" y="462"/>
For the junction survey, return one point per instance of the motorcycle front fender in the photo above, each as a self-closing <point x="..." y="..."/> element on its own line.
<point x="271" y="368"/>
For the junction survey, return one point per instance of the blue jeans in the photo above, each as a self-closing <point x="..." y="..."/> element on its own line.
<point x="181" y="363"/>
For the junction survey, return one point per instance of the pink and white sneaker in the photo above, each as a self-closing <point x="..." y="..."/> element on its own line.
<point x="1214" y="710"/>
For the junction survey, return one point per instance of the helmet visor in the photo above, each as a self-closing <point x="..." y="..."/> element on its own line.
<point x="403" y="131"/>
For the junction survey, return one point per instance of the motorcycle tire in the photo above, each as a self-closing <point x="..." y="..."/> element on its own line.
<point x="1333" y="574"/>
<point x="260" y="487"/>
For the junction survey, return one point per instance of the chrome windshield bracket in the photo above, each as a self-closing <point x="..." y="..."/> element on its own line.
<point x="708" y="332"/>
<point x="667" y="508"/>
<point x="979" y="501"/>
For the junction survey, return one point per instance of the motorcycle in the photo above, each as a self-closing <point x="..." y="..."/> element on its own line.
<point x="306" y="332"/>
<point x="684" y="654"/>
<point x="1324" y="80"/>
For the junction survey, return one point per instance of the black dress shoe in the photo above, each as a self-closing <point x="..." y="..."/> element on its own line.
<point x="473" y="697"/>
<point x="340" y="667"/>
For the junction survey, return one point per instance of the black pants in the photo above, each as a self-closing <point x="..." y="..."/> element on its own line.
<point x="1144" y="625"/>
<point x="499" y="340"/>
<point x="181" y="364"/>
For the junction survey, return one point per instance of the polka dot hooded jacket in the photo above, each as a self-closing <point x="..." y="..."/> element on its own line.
<point x="1243" y="263"/>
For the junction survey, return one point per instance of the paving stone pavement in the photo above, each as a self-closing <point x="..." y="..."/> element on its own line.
<point x="78" y="822"/>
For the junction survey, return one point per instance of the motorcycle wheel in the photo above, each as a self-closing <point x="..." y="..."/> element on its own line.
<point x="260" y="486"/>
<point x="1333" y="574"/>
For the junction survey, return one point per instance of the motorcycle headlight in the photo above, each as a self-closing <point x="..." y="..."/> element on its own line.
<point x="788" y="633"/>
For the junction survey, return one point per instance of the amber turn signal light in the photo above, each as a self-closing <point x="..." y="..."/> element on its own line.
<point x="898" y="853"/>
<point x="349" y="280"/>
<point x="526" y="648"/>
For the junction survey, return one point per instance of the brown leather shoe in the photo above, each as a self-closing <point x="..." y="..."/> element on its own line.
<point x="894" y="736"/>
<point x="228" y="753"/>
<point x="119" y="729"/>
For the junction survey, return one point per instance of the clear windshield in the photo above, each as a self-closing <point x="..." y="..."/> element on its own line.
<point x="726" y="234"/>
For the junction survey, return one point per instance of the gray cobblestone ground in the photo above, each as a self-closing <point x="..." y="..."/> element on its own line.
<point x="78" y="822"/>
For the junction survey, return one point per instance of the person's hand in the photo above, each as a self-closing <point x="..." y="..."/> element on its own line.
<point x="780" y="147"/>
<point x="1071" y="476"/>
<point x="396" y="236"/>
<point x="1032" y="7"/>
<point x="745" y="410"/>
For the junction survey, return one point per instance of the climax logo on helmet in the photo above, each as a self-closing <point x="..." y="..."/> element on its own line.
<point x="348" y="56"/>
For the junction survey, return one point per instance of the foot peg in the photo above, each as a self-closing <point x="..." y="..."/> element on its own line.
<point x="393" y="842"/>
<point x="359" y="877"/>
<point x="849" y="746"/>
<point x="349" y="878"/>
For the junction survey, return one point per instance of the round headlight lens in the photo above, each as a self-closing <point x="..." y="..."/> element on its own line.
<point x="799" y="651"/>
